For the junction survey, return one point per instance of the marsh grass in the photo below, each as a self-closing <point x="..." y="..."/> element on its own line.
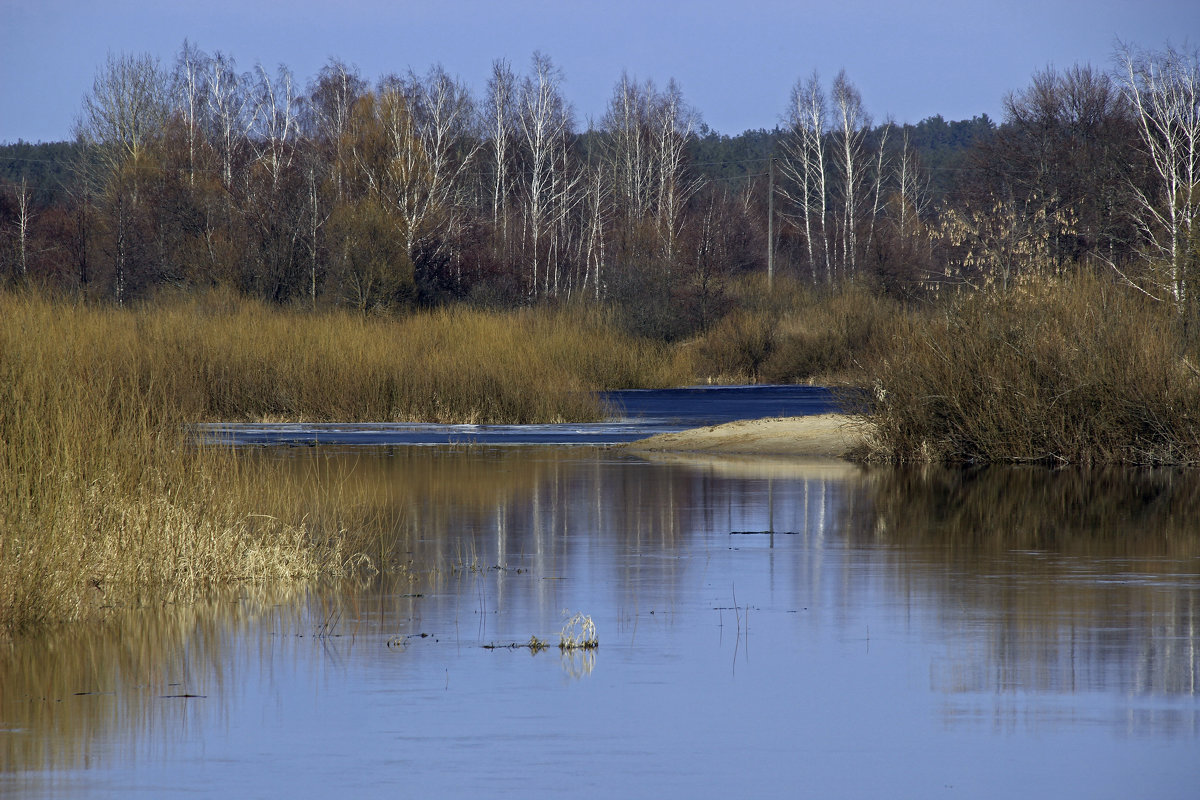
<point x="102" y="502"/>
<point x="794" y="334"/>
<point x="1074" y="370"/>
<point x="105" y="504"/>
<point x="247" y="362"/>
<point x="578" y="633"/>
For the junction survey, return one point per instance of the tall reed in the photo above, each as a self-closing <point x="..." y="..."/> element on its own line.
<point x="1075" y="370"/>
<point x="242" y="360"/>
<point x="792" y="333"/>
<point x="104" y="502"/>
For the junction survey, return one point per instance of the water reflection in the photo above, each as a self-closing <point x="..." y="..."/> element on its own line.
<point x="925" y="605"/>
<point x="66" y="693"/>
<point x="1083" y="581"/>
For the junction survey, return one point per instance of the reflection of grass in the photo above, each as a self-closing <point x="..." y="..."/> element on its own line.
<point x="67" y="687"/>
<point x="578" y="633"/>
<point x="104" y="503"/>
<point x="1136" y="515"/>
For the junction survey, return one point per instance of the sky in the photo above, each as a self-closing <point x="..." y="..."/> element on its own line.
<point x="735" y="62"/>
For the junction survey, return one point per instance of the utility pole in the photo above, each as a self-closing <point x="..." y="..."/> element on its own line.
<point x="770" y="222"/>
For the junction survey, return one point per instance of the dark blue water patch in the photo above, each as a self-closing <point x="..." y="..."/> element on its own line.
<point x="636" y="414"/>
<point x="697" y="406"/>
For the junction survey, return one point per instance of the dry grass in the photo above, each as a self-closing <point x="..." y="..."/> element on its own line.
<point x="794" y="334"/>
<point x="103" y="503"/>
<point x="578" y="633"/>
<point x="1057" y="370"/>
<point x="229" y="359"/>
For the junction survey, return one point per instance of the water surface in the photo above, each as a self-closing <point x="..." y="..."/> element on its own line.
<point x="635" y="414"/>
<point x="766" y="629"/>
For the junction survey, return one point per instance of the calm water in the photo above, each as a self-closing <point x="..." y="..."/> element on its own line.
<point x="635" y="414"/>
<point x="767" y="628"/>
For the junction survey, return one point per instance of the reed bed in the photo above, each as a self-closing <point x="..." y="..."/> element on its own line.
<point x="1058" y="370"/>
<point x="103" y="501"/>
<point x="792" y="334"/>
<point x="238" y="360"/>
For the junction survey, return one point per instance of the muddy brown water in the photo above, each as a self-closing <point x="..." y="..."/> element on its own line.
<point x="766" y="627"/>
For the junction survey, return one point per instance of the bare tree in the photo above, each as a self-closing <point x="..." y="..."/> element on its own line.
<point x="277" y="113"/>
<point x="674" y="122"/>
<point x="645" y="134"/>
<point x="879" y="177"/>
<point x="1164" y="90"/>
<point x="23" y="219"/>
<point x="804" y="162"/>
<point x="598" y="216"/>
<point x="501" y="126"/>
<point x="188" y="92"/>
<point x="851" y="125"/>
<point x="122" y="117"/>
<point x="545" y="122"/>
<point x="912" y="187"/>
<point x="627" y="147"/>
<point x="229" y="112"/>
<point x="432" y="140"/>
<point x="331" y="100"/>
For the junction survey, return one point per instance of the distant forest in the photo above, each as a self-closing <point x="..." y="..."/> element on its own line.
<point x="411" y="191"/>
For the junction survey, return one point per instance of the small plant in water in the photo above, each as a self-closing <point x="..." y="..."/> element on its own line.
<point x="578" y="633"/>
<point x="536" y="645"/>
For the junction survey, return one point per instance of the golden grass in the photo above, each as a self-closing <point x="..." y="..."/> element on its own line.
<point x="578" y="633"/>
<point x="1056" y="370"/>
<point x="792" y="333"/>
<point x="241" y="360"/>
<point x="103" y="501"/>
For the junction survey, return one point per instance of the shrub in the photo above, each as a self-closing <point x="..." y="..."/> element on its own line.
<point x="1056" y="370"/>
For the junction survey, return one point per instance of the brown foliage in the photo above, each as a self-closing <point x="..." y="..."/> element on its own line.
<point x="1057" y="370"/>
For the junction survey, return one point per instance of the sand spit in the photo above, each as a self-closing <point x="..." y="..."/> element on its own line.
<point x="823" y="436"/>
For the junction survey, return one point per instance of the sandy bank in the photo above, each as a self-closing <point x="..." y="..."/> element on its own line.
<point x="828" y="436"/>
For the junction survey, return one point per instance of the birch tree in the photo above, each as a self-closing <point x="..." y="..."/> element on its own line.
<point x="674" y="122"/>
<point x="122" y="118"/>
<point x="804" y="162"/>
<point x="645" y="134"/>
<point x="851" y="125"/>
<point x="229" y="113"/>
<point x="188" y="92"/>
<point x="433" y="138"/>
<point x="1164" y="90"/>
<point x="627" y="148"/>
<point x="598" y="216"/>
<point x="23" y="220"/>
<point x="545" y="124"/>
<point x="277" y="112"/>
<point x="501" y="123"/>
<point x="330" y="103"/>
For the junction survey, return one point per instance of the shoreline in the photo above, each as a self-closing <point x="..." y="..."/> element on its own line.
<point x="834" y="437"/>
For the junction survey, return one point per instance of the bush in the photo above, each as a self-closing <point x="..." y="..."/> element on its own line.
<point x="1057" y="370"/>
<point x="792" y="334"/>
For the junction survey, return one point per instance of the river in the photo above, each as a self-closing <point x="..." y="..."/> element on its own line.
<point x="766" y="628"/>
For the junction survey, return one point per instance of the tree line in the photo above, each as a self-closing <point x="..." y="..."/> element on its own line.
<point x="412" y="190"/>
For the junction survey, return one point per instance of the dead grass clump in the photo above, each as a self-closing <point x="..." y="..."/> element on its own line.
<point x="1077" y="370"/>
<point x="796" y="334"/>
<point x="578" y="633"/>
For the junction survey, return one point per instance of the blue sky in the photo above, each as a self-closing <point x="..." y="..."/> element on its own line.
<point x="736" y="63"/>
